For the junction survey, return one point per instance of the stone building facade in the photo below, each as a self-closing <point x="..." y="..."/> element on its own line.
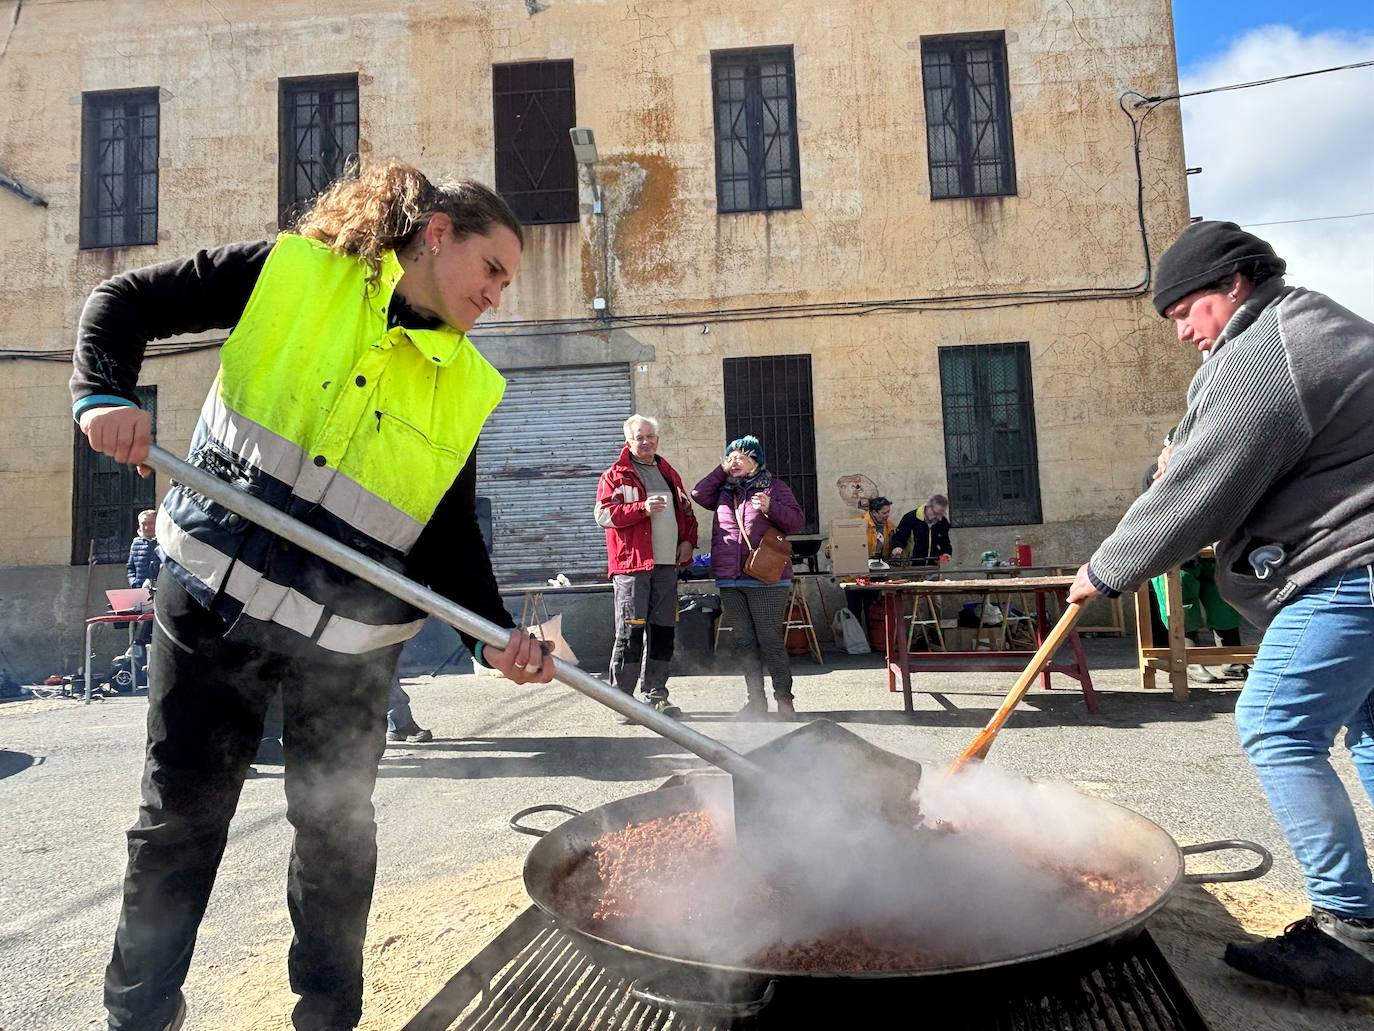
<point x="902" y="240"/>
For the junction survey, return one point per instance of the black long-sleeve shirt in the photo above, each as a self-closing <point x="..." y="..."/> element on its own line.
<point x="210" y="290"/>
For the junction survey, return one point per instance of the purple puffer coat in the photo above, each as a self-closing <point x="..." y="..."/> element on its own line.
<point x="728" y="550"/>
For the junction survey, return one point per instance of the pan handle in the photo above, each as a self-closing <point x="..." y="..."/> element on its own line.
<point x="1259" y="870"/>
<point x="712" y="1009"/>
<point x="536" y="832"/>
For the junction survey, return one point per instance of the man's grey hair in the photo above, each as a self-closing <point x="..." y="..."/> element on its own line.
<point x="147" y="512"/>
<point x="635" y="420"/>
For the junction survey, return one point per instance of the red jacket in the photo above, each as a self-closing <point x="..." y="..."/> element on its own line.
<point x="620" y="509"/>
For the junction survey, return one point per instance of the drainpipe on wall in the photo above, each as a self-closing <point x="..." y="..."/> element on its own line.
<point x="602" y="304"/>
<point x="584" y="153"/>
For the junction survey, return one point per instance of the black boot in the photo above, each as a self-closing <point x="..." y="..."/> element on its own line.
<point x="269" y="753"/>
<point x="787" y="711"/>
<point x="754" y="709"/>
<point x="1321" y="951"/>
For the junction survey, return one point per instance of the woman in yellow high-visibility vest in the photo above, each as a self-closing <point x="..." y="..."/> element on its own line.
<point x="349" y="396"/>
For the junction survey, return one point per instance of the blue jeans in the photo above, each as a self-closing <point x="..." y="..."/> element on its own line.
<point x="1314" y="675"/>
<point x="398" y="707"/>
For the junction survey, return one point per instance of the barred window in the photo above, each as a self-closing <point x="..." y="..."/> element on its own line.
<point x="533" y="107"/>
<point x="992" y="465"/>
<point x="318" y="123"/>
<point x="771" y="399"/>
<point x="107" y="497"/>
<point x="119" y="149"/>
<point x="757" y="155"/>
<point x="968" y="116"/>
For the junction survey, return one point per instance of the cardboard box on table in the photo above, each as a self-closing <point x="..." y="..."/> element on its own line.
<point x="849" y="547"/>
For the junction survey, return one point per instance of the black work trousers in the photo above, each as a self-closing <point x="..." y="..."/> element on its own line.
<point x="205" y="714"/>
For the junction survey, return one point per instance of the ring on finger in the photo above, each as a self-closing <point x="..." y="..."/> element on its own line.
<point x="521" y="666"/>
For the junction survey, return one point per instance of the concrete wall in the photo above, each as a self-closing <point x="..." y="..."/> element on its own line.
<point x="1107" y="379"/>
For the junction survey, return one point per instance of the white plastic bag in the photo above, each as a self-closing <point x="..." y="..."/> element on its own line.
<point x="849" y="635"/>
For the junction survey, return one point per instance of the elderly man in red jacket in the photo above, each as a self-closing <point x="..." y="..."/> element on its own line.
<point x="650" y="532"/>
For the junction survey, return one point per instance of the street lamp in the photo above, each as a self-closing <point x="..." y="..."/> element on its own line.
<point x="584" y="145"/>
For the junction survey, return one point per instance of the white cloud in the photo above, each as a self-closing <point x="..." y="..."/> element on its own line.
<point x="1291" y="150"/>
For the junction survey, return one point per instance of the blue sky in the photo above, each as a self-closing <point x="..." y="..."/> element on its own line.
<point x="1305" y="188"/>
<point x="1200" y="27"/>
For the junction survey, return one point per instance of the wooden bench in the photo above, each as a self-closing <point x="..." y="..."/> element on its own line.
<point x="1176" y="658"/>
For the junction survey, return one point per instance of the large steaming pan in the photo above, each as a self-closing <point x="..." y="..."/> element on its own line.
<point x="560" y="875"/>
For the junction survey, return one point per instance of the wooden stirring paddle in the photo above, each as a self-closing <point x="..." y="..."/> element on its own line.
<point x="979" y="748"/>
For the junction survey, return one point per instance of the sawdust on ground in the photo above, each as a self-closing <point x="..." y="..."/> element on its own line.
<point x="27" y="707"/>
<point x="417" y="938"/>
<point x="420" y="937"/>
<point x="1192" y="932"/>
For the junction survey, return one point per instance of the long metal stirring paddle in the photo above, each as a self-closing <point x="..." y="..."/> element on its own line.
<point x="325" y="547"/>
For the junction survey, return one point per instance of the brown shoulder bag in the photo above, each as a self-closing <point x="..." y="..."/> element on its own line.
<point x="767" y="561"/>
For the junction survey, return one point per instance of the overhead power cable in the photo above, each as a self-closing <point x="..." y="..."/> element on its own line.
<point x="1316" y="218"/>
<point x="1258" y="82"/>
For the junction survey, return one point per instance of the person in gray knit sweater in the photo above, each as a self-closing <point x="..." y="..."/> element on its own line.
<point x="1274" y="464"/>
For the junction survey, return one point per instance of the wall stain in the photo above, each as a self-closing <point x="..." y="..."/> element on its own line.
<point x="646" y="236"/>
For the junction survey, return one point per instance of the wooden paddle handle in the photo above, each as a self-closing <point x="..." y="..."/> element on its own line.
<point x="979" y="748"/>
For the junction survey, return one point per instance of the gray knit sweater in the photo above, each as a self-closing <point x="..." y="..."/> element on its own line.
<point x="1273" y="462"/>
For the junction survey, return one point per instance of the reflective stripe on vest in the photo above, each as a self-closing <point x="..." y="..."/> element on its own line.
<point x="282" y="460"/>
<point x="322" y="410"/>
<point x="271" y="602"/>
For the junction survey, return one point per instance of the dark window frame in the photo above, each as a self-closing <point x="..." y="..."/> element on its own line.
<point x="992" y="457"/>
<point x="122" y="215"/>
<point x="335" y="155"/>
<point x="536" y="172"/>
<point x="752" y="137"/>
<point x="126" y="495"/>
<point x="784" y="420"/>
<point x="965" y="163"/>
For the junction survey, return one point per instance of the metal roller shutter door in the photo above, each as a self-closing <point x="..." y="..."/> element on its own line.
<point x="541" y="454"/>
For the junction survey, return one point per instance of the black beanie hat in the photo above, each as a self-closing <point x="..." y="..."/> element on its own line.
<point x="1206" y="252"/>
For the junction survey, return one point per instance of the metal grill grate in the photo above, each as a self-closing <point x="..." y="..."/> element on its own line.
<point x="534" y="977"/>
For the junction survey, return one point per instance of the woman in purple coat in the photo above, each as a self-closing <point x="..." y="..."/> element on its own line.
<point x="748" y="501"/>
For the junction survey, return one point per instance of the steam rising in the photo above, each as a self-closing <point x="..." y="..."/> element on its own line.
<point x="980" y="867"/>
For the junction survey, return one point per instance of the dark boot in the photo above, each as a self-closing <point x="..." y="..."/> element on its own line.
<point x="179" y="1017"/>
<point x="269" y="753"/>
<point x="754" y="709"/>
<point x="1321" y="951"/>
<point x="786" y="710"/>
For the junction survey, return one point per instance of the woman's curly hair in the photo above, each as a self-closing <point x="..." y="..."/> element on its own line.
<point x="385" y="206"/>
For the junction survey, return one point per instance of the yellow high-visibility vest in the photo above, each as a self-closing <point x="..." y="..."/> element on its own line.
<point x="324" y="411"/>
<point x="397" y="411"/>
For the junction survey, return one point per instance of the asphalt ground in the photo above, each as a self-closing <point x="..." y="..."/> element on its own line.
<point x="69" y="778"/>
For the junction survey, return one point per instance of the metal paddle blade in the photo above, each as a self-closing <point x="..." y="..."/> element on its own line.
<point x="827" y="785"/>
